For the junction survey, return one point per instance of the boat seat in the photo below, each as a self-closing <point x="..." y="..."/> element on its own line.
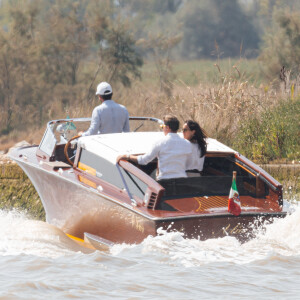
<point x="206" y="186"/>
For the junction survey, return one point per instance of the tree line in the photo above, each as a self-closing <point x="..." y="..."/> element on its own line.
<point x="53" y="52"/>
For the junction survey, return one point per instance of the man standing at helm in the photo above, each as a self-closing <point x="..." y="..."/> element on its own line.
<point x="109" y="116"/>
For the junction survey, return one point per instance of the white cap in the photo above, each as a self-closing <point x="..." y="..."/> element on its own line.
<point x="103" y="88"/>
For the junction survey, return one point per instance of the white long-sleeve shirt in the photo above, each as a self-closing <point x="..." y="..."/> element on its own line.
<point x="195" y="162"/>
<point x="172" y="152"/>
<point x="108" y="117"/>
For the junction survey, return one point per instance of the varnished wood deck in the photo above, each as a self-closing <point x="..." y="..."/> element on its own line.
<point x="209" y="204"/>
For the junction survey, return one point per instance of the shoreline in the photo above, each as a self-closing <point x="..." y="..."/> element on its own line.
<point x="17" y="191"/>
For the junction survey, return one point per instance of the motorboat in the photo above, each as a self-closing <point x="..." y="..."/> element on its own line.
<point x="92" y="198"/>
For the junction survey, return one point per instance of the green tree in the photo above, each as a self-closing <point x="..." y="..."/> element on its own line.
<point x="221" y="26"/>
<point x="118" y="55"/>
<point x="159" y="47"/>
<point x="281" y="45"/>
<point x="65" y="46"/>
<point x="48" y="50"/>
<point x="17" y="65"/>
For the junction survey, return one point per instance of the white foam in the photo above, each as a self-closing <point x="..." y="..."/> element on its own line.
<point x="20" y="235"/>
<point x="281" y="238"/>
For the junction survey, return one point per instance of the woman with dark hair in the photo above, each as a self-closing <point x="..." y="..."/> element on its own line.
<point x="193" y="132"/>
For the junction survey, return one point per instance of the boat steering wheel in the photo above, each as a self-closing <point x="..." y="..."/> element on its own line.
<point x="67" y="147"/>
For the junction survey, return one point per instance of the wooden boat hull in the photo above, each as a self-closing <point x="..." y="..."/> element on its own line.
<point x="243" y="227"/>
<point x="76" y="209"/>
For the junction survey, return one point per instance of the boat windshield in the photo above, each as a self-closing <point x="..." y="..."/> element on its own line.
<point x="59" y="132"/>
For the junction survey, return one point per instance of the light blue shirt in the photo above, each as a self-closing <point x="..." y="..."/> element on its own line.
<point x="108" y="117"/>
<point x="172" y="152"/>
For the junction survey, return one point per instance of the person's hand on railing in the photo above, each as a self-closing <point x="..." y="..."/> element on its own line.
<point x="124" y="157"/>
<point x="128" y="157"/>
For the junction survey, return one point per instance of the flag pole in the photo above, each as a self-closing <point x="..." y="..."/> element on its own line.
<point x="234" y="204"/>
<point x="233" y="175"/>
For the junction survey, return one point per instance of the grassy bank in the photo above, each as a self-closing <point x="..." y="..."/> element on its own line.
<point x="273" y="135"/>
<point x="289" y="176"/>
<point x="193" y="72"/>
<point x="16" y="191"/>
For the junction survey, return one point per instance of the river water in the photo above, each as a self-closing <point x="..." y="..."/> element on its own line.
<point x="38" y="261"/>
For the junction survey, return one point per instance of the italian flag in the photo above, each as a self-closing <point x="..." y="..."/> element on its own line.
<point x="234" y="203"/>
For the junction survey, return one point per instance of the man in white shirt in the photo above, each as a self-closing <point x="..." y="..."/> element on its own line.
<point x="171" y="151"/>
<point x="109" y="116"/>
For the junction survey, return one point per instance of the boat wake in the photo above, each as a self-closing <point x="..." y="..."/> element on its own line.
<point x="21" y="235"/>
<point x="279" y="240"/>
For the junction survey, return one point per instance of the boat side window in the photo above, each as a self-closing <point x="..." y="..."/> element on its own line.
<point x="99" y="167"/>
<point x="150" y="169"/>
<point x="248" y="183"/>
<point x="107" y="171"/>
<point x="135" y="185"/>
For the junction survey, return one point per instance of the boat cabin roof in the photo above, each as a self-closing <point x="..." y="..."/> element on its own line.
<point x="109" y="146"/>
